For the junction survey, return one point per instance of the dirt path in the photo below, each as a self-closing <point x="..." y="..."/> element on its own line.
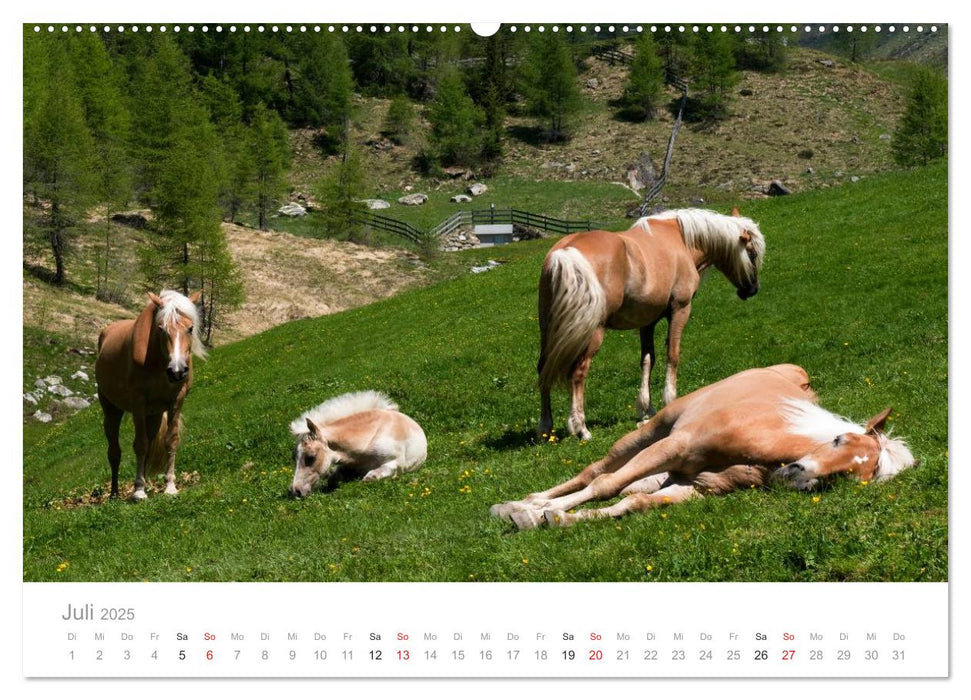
<point x="289" y="277"/>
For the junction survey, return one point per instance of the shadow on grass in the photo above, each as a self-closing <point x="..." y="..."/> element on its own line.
<point x="513" y="439"/>
<point x="41" y="273"/>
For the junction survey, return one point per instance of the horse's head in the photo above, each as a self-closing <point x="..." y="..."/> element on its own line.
<point x="751" y="250"/>
<point x="175" y="317"/>
<point x="867" y="456"/>
<point x="314" y="460"/>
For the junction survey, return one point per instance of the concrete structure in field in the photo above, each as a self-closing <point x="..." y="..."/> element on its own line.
<point x="493" y="234"/>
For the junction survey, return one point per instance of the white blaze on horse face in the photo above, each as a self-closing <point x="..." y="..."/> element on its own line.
<point x="313" y="461"/>
<point x="176" y="363"/>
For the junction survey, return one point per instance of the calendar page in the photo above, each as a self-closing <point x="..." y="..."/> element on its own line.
<point x="411" y="349"/>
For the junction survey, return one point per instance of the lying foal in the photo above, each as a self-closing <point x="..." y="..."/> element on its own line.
<point x="754" y="426"/>
<point x="361" y="434"/>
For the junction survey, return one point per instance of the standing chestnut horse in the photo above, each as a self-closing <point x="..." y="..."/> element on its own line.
<point x="741" y="432"/>
<point x="597" y="280"/>
<point x="144" y="367"/>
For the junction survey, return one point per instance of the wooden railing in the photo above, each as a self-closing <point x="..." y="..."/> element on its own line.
<point x="472" y="217"/>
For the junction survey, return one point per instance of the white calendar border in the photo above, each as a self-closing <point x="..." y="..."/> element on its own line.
<point x="506" y="10"/>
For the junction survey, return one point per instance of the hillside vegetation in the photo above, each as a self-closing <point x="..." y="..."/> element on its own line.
<point x="854" y="289"/>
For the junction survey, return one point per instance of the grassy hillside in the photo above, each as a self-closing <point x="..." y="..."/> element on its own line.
<point x="854" y="289"/>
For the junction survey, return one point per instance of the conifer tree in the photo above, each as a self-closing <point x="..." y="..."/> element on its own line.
<point x="456" y="123"/>
<point x="921" y="134"/>
<point x="269" y="153"/>
<point x="645" y="81"/>
<point x="399" y="122"/>
<point x="550" y="83"/>
<point x="341" y="194"/>
<point x="713" y="73"/>
<point x="60" y="157"/>
<point x="321" y="85"/>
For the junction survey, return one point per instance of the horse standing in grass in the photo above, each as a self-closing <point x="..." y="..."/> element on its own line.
<point x="359" y="434"/>
<point x="741" y="432"/>
<point x="597" y="280"/>
<point x="144" y="367"/>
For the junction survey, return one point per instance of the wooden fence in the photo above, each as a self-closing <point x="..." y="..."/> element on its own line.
<point x="472" y="217"/>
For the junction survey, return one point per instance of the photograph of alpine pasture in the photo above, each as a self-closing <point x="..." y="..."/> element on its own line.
<point x="386" y="304"/>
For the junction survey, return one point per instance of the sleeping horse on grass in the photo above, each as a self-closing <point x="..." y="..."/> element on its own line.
<point x="597" y="280"/>
<point x="144" y="367"/>
<point x="754" y="427"/>
<point x="361" y="434"/>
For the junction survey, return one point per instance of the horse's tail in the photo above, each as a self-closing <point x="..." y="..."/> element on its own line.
<point x="572" y="306"/>
<point x="157" y="459"/>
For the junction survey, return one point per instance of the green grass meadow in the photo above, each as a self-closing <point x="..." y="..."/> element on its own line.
<point x="854" y="288"/>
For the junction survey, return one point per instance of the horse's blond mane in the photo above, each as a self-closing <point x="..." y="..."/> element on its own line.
<point x="341" y="407"/>
<point x="894" y="457"/>
<point x="174" y="304"/>
<point x="717" y="235"/>
<point x="814" y="422"/>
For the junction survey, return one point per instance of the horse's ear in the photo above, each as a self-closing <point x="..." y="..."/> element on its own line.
<point x="196" y="297"/>
<point x="745" y="237"/>
<point x="142" y="333"/>
<point x="735" y="211"/>
<point x="314" y="430"/>
<point x="875" y="424"/>
<point x="155" y="299"/>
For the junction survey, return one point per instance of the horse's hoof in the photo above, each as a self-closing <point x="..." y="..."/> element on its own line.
<point x="171" y="490"/>
<point x="502" y="510"/>
<point x="526" y="519"/>
<point x="557" y="518"/>
<point x="139" y="495"/>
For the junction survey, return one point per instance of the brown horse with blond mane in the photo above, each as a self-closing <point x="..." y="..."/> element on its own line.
<point x="597" y="280"/>
<point x="144" y="367"/>
<point x="753" y="427"/>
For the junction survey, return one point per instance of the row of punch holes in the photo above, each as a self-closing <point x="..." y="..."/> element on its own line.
<point x="387" y="28"/>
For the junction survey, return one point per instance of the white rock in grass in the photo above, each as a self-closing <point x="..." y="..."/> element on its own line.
<point x="60" y="390"/>
<point x="40" y="383"/>
<point x="30" y="401"/>
<point x="476" y="189"/>
<point x="52" y="380"/>
<point x="80" y="374"/>
<point x="42" y="417"/>
<point x="413" y="200"/>
<point x="76" y="403"/>
<point x="292" y="209"/>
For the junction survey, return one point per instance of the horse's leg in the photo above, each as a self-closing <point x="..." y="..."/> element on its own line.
<point x="620" y="454"/>
<point x="545" y="426"/>
<point x="649" y="484"/>
<point x="676" y="323"/>
<point x="140" y="446"/>
<point x="386" y="470"/>
<point x="635" y="503"/>
<point x="112" y="423"/>
<point x="577" y="424"/>
<point x="648" y="360"/>
<point x="664" y="455"/>
<point x="172" y="437"/>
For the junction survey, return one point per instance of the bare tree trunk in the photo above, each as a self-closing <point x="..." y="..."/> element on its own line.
<point x="57" y="242"/>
